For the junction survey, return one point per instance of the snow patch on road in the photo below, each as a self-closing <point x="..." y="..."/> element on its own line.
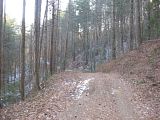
<point x="115" y="91"/>
<point x="81" y="87"/>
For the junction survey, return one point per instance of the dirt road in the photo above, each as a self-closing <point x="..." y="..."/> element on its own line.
<point x="101" y="96"/>
<point x="82" y="96"/>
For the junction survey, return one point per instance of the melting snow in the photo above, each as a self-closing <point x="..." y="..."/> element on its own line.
<point x="81" y="87"/>
<point x="114" y="91"/>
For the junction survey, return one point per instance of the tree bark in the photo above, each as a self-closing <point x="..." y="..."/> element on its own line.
<point x="52" y="43"/>
<point x="113" y="36"/>
<point x="122" y="33"/>
<point x="131" y="43"/>
<point x="138" y="24"/>
<point x="22" y="88"/>
<point x="37" y="37"/>
<point x="149" y="23"/>
<point x="1" y="46"/>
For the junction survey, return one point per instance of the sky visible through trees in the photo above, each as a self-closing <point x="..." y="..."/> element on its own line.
<point x="14" y="9"/>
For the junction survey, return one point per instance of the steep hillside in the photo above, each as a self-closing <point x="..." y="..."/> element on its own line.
<point x="142" y="62"/>
<point x="141" y="68"/>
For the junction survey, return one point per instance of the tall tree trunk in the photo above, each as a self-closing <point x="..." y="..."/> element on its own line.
<point x="122" y="33"/>
<point x="37" y="37"/>
<point x="157" y="19"/>
<point x="73" y="46"/>
<point x="98" y="19"/>
<point x="149" y="23"/>
<point x="57" y="36"/>
<point x="43" y="43"/>
<point x="66" y="47"/>
<point x="131" y="43"/>
<point x="46" y="40"/>
<point x="22" y="88"/>
<point x="52" y="43"/>
<point x="114" y="35"/>
<point x="31" y="57"/>
<point x="138" y="24"/>
<point x="1" y="46"/>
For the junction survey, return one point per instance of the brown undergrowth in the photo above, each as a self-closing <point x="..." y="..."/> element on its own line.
<point x="141" y="67"/>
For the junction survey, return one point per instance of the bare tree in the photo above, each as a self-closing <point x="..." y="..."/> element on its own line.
<point x="138" y="23"/>
<point x="37" y="37"/>
<point x="52" y="52"/>
<point x="22" y="89"/>
<point x="46" y="41"/>
<point x="44" y="38"/>
<point x="113" y="36"/>
<point x="131" y="25"/>
<point x="1" y="46"/>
